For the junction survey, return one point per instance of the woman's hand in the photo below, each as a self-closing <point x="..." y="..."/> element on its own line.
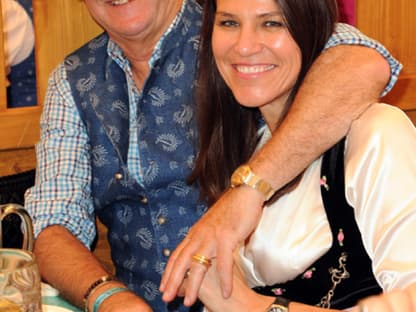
<point x="241" y="299"/>
<point x="216" y="235"/>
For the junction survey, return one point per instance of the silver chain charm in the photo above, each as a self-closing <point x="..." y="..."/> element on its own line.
<point x="337" y="275"/>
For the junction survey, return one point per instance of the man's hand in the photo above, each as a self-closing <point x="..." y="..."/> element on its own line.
<point x="216" y="235"/>
<point x="71" y="269"/>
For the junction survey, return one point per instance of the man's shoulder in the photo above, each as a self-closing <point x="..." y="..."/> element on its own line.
<point x="88" y="57"/>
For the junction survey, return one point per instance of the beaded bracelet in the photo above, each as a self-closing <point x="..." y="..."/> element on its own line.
<point x="105" y="295"/>
<point x="95" y="284"/>
<point x="86" y="303"/>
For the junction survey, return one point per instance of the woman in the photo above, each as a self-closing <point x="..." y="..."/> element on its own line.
<point x="339" y="232"/>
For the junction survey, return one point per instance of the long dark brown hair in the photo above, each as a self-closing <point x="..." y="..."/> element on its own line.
<point x="228" y="130"/>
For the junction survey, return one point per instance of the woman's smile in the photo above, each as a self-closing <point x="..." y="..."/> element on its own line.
<point x="253" y="69"/>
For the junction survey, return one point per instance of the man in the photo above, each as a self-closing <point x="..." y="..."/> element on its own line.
<point x="118" y="143"/>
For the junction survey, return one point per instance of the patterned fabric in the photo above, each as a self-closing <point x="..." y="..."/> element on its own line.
<point x="147" y="212"/>
<point x="132" y="211"/>
<point x="129" y="170"/>
<point x="342" y="276"/>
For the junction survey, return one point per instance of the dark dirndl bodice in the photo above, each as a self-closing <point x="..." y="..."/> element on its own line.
<point x="344" y="274"/>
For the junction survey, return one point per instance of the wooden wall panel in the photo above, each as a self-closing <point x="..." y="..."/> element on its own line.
<point x="412" y="115"/>
<point x="17" y="161"/>
<point x="19" y="127"/>
<point x="393" y="22"/>
<point x="61" y="26"/>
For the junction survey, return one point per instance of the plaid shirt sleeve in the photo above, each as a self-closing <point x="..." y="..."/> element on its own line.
<point x="62" y="191"/>
<point x="346" y="34"/>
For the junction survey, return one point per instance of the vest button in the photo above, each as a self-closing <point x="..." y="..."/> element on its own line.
<point x="161" y="220"/>
<point x="166" y="252"/>
<point x="118" y="176"/>
<point x="144" y="200"/>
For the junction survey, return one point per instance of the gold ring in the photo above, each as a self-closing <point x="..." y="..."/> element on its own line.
<point x="202" y="260"/>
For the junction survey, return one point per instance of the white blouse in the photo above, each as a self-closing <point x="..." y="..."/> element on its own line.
<point x="380" y="183"/>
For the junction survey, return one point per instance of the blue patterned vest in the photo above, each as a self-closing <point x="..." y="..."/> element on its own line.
<point x="145" y="220"/>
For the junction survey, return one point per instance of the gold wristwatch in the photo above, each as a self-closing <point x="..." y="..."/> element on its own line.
<point x="280" y="304"/>
<point x="243" y="175"/>
<point x="277" y="308"/>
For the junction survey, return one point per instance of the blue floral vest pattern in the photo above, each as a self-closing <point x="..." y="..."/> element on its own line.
<point x="145" y="220"/>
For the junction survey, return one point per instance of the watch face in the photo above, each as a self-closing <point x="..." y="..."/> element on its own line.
<point x="277" y="308"/>
<point x="236" y="179"/>
<point x="240" y="175"/>
<point x="244" y="171"/>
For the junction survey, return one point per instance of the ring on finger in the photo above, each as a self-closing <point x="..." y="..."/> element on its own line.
<point x="198" y="258"/>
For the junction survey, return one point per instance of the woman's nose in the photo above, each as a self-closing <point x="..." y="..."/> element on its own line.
<point x="248" y="42"/>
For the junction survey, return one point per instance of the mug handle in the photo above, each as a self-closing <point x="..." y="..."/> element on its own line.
<point x="27" y="226"/>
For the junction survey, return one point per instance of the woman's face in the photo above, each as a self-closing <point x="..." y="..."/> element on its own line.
<point x="255" y="53"/>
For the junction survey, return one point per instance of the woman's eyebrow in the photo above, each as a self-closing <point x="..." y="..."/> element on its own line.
<point x="271" y="14"/>
<point x="224" y="14"/>
<point x="261" y="15"/>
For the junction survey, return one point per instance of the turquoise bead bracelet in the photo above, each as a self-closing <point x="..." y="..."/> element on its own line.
<point x="105" y="295"/>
